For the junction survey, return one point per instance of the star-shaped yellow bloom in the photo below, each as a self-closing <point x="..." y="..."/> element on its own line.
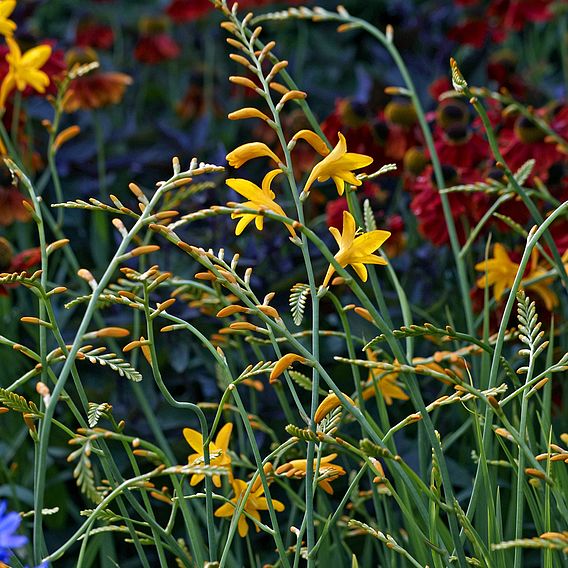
<point x="356" y="251"/>
<point x="7" y="26"/>
<point x="24" y="69"/>
<point x="217" y="451"/>
<point x="385" y="382"/>
<point x="259" y="199"/>
<point x="500" y="271"/>
<point x="255" y="502"/>
<point x="339" y="165"/>
<point x="327" y="471"/>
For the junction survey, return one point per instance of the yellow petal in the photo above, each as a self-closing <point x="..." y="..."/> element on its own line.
<point x="242" y="224"/>
<point x="225" y="510"/>
<point x="243" y="526"/>
<point x="315" y="141"/>
<point x="267" y="182"/>
<point x="360" y="270"/>
<point x="7" y="7"/>
<point x="36" y="56"/>
<point x="194" y="439"/>
<point x="223" y="437"/>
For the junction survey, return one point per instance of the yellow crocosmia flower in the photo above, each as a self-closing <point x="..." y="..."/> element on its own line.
<point x="384" y="382"/>
<point x="339" y="165"/>
<point x="541" y="288"/>
<point x="356" y="251"/>
<point x="500" y="271"/>
<point x="247" y="152"/>
<point x="255" y="502"/>
<point x="24" y="69"/>
<point x="217" y="452"/>
<point x="7" y="26"/>
<point x="327" y="471"/>
<point x="259" y="199"/>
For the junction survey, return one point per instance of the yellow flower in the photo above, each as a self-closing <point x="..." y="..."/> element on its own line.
<point x="384" y="382"/>
<point x="327" y="472"/>
<point x="338" y="166"/>
<point x="500" y="271"/>
<point x="217" y="452"/>
<point x="255" y="503"/>
<point x="247" y="152"/>
<point x="356" y="251"/>
<point x="541" y="288"/>
<point x="7" y="27"/>
<point x="24" y="69"/>
<point x="259" y="199"/>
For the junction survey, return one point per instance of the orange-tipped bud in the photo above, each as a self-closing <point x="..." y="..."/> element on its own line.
<point x="364" y="313"/>
<point x="283" y="363"/>
<point x="535" y="473"/>
<point x="269" y="311"/>
<point x="243" y="325"/>
<point x="35" y="321"/>
<point x="276" y="69"/>
<point x="230" y="310"/>
<point x="240" y="59"/>
<point x="161" y="497"/>
<point x="205" y="276"/>
<point x="65" y="136"/>
<point x="278" y="88"/>
<point x="292" y="96"/>
<point x="167" y="304"/>
<point x="110" y="332"/>
<point x="56" y="245"/>
<point x="247" y="112"/>
<point x="329" y="403"/>
<point x="243" y="82"/>
<point x="146" y="249"/>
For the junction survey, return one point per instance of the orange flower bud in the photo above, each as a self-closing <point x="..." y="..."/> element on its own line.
<point x="283" y="363"/>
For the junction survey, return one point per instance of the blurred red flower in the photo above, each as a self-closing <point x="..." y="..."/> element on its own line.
<point x="10" y="263"/>
<point x="91" y="33"/>
<point x="153" y="49"/>
<point x="11" y="207"/>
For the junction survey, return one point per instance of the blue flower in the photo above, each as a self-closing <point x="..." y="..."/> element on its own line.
<point x="9" y="523"/>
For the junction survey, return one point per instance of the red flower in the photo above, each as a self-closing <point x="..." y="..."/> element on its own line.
<point x="472" y="32"/>
<point x="91" y="33"/>
<point x="466" y="208"/>
<point x="152" y="49"/>
<point x="525" y="141"/>
<point x="188" y="10"/>
<point x="18" y="263"/>
<point x="515" y="14"/>
<point x="439" y="86"/>
<point x="11" y="207"/>
<point x="95" y="89"/>
<point x="460" y="147"/>
<point x="334" y="212"/>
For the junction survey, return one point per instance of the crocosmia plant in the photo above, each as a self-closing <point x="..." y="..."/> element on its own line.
<point x="284" y="284"/>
